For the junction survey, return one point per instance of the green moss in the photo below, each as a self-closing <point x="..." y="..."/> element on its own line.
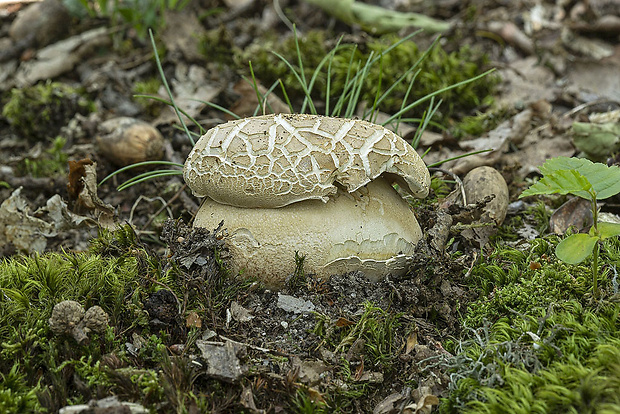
<point x="269" y="68"/>
<point x="476" y="125"/>
<point x="536" y="342"/>
<point x="508" y="282"/>
<point x="218" y="46"/>
<point x="439" y="70"/>
<point x="52" y="162"/>
<point x="303" y="403"/>
<point x="38" y="112"/>
<point x="563" y="360"/>
<point x="31" y="286"/>
<point x="16" y="395"/>
<point x="120" y="275"/>
<point x="148" y="87"/>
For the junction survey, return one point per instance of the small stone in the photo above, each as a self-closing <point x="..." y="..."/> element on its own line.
<point x="487" y="181"/>
<point x="222" y="360"/>
<point x="124" y="141"/>
<point x="239" y="313"/>
<point x="292" y="304"/>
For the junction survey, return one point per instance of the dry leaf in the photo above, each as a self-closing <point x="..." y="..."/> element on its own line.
<point x="342" y="322"/>
<point x="412" y="340"/>
<point x="239" y="313"/>
<point x="76" y="173"/>
<point x="424" y="401"/>
<point x="193" y="320"/>
<point x="88" y="198"/>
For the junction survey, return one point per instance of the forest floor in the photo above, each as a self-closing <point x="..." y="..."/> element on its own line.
<point x="486" y="320"/>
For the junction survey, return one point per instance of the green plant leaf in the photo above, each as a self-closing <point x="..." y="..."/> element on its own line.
<point x="575" y="248"/>
<point x="607" y="230"/>
<point x="561" y="182"/>
<point x="605" y="180"/>
<point x="596" y="140"/>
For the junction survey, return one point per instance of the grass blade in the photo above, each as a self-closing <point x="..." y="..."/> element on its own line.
<point x="458" y="157"/>
<point x="147" y="176"/>
<point x="167" y="87"/>
<point x="431" y="95"/>
<point x="141" y="164"/>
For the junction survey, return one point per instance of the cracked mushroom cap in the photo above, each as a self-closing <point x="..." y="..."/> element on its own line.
<point x="272" y="161"/>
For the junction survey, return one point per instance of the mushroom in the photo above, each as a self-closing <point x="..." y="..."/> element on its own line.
<point x="311" y="184"/>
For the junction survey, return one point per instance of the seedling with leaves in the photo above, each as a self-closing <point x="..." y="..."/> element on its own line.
<point x="588" y="180"/>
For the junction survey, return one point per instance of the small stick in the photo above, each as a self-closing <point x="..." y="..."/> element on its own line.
<point x="459" y="183"/>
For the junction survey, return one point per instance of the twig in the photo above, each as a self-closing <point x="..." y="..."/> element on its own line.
<point x="166" y="205"/>
<point x="456" y="178"/>
<point x="254" y="347"/>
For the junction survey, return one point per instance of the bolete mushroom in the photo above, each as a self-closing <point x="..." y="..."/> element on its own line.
<point x="317" y="185"/>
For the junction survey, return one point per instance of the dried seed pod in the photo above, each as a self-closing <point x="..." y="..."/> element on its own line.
<point x="66" y="318"/>
<point x="95" y="319"/>
<point x="124" y="141"/>
<point x="66" y="315"/>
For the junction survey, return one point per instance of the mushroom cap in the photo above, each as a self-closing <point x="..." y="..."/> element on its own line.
<point x="371" y="230"/>
<point x="272" y="161"/>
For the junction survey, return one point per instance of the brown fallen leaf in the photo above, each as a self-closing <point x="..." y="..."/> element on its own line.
<point x="76" y="173"/>
<point x="89" y="199"/>
<point x="193" y="320"/>
<point x="576" y="213"/>
<point x="424" y="401"/>
<point x="341" y="322"/>
<point x="412" y="341"/>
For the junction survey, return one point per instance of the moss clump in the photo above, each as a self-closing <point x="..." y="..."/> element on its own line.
<point x="510" y="278"/>
<point x="379" y="332"/>
<point x="439" y="70"/>
<point x="536" y="342"/>
<point x="38" y="112"/>
<point x="42" y="371"/>
<point x="476" y="125"/>
<point x="218" y="45"/>
<point x="148" y="87"/>
<point x="563" y="360"/>
<point x="30" y="287"/>
<point x="51" y="162"/>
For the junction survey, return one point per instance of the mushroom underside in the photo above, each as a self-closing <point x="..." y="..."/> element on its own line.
<point x="371" y="230"/>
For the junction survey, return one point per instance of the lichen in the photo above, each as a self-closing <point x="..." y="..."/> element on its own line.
<point x="564" y="359"/>
<point x="536" y="342"/>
